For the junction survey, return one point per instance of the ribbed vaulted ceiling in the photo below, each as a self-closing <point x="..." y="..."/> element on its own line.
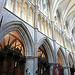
<point x="66" y="9"/>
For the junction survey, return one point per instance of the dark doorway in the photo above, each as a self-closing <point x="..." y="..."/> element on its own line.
<point x="11" y="61"/>
<point x="43" y="65"/>
<point x="12" y="58"/>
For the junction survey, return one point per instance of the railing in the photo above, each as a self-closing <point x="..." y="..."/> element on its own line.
<point x="44" y="25"/>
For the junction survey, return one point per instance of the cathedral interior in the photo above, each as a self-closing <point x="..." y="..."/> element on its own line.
<point x="37" y="37"/>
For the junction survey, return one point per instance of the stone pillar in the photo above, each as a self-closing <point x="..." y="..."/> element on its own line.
<point x="66" y="72"/>
<point x="72" y="52"/>
<point x="51" y="70"/>
<point x="29" y="66"/>
<point x="64" y="44"/>
<point x="35" y="51"/>
<point x="66" y="56"/>
<point x="54" y="42"/>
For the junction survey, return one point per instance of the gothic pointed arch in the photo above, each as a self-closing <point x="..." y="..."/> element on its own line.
<point x="48" y="47"/>
<point x="61" y="57"/>
<point x="22" y="31"/>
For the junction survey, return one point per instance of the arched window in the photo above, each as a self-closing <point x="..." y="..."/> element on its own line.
<point x="31" y="16"/>
<point x="42" y="25"/>
<point x="10" y="5"/>
<point x="18" y="8"/>
<point x="39" y="19"/>
<point x="25" y="8"/>
<point x="50" y="31"/>
<point x="46" y="28"/>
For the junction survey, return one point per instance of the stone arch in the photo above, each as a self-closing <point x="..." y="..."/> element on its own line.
<point x="23" y="32"/>
<point x="62" y="57"/>
<point x="48" y="47"/>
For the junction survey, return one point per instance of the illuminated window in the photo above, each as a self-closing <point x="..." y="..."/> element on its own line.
<point x="50" y="34"/>
<point x="42" y="26"/>
<point x="39" y="18"/>
<point x="31" y="16"/>
<point x="24" y="16"/>
<point x="46" y="29"/>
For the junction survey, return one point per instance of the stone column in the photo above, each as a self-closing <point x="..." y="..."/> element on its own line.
<point x="66" y="72"/>
<point x="29" y="69"/>
<point x="51" y="70"/>
<point x="54" y="42"/>
<point x="64" y="44"/>
<point x="72" y="52"/>
<point x="35" y="51"/>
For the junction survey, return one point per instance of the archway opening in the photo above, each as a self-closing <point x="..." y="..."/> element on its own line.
<point x="12" y="57"/>
<point x="61" y="61"/>
<point x="70" y="60"/>
<point x="43" y="65"/>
